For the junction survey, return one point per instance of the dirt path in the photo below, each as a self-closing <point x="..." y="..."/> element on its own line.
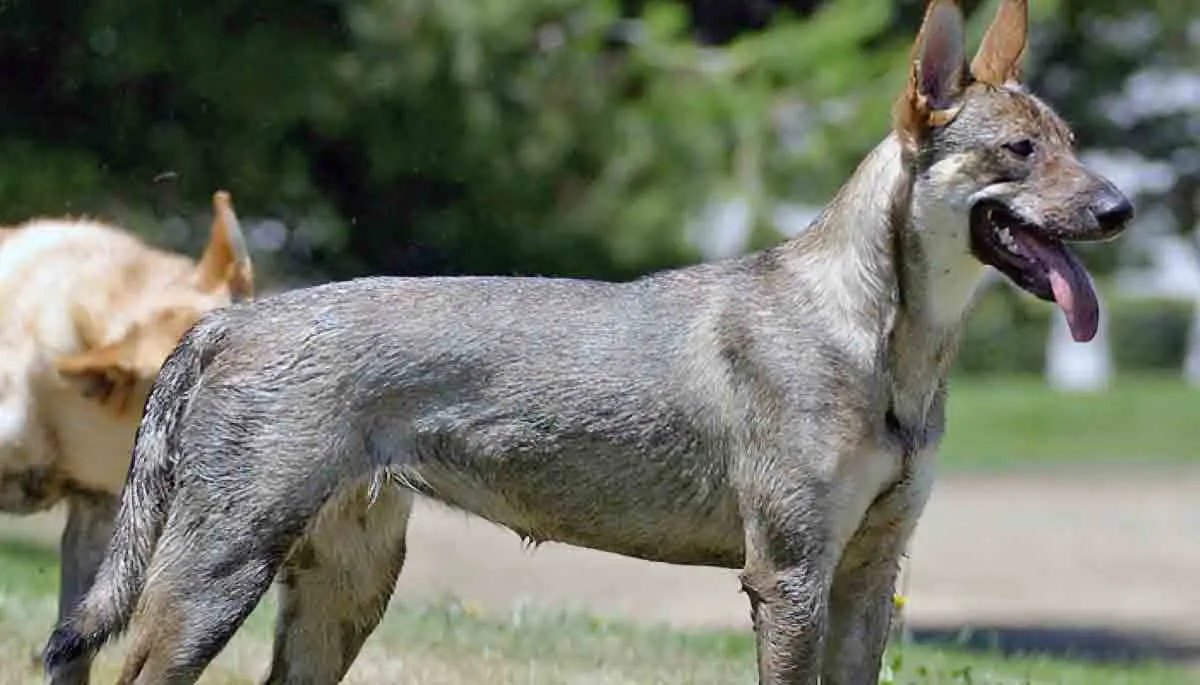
<point x="1094" y="563"/>
<point x="1101" y="564"/>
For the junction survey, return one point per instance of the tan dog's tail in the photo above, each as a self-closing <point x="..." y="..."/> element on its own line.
<point x="145" y="502"/>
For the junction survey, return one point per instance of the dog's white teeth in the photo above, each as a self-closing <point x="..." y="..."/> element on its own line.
<point x="1007" y="240"/>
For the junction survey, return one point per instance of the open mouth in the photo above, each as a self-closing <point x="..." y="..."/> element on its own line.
<point x="1036" y="262"/>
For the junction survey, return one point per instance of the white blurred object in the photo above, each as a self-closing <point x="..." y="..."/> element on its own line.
<point x="1174" y="273"/>
<point x="1078" y="367"/>
<point x="1174" y="270"/>
<point x="1191" y="362"/>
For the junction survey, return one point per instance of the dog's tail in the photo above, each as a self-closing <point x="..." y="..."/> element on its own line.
<point x="145" y="502"/>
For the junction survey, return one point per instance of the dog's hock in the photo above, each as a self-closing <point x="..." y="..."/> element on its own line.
<point x="226" y="261"/>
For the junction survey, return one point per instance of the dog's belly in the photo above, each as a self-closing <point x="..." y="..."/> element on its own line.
<point x="652" y="536"/>
<point x="626" y="509"/>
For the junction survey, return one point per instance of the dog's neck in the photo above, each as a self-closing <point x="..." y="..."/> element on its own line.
<point x="889" y="263"/>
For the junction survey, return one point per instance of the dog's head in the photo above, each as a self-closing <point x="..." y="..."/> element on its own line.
<point x="159" y="310"/>
<point x="996" y="155"/>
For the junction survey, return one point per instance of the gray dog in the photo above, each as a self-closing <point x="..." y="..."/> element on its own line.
<point x="777" y="413"/>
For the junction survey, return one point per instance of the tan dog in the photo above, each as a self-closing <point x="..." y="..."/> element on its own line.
<point x="88" y="313"/>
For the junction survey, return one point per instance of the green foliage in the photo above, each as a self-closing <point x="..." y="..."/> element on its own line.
<point x="1008" y="334"/>
<point x="1012" y="423"/>
<point x="495" y="136"/>
<point x="102" y="98"/>
<point x="499" y="136"/>
<point x="1150" y="335"/>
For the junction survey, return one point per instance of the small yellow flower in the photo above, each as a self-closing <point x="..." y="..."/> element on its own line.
<point x="899" y="601"/>
<point x="472" y="610"/>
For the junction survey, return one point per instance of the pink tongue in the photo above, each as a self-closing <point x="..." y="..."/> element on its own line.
<point x="1069" y="280"/>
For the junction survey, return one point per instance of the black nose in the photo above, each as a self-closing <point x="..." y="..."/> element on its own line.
<point x="1112" y="208"/>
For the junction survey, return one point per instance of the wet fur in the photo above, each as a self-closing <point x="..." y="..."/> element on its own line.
<point x="777" y="413"/>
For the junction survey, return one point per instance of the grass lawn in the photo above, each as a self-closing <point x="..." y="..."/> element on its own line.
<point x="447" y="643"/>
<point x="1021" y="422"/>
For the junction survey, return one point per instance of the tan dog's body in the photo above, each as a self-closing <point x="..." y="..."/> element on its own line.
<point x="88" y="313"/>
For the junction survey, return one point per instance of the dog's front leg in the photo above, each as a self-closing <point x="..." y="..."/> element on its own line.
<point x="788" y="571"/>
<point x="862" y="596"/>
<point x="84" y="540"/>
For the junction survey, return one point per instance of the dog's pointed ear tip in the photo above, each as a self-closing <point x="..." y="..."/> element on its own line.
<point x="222" y="202"/>
<point x="227" y="239"/>
<point x="944" y="10"/>
<point x="224" y="217"/>
<point x="932" y="5"/>
<point x="942" y="32"/>
<point x="938" y="61"/>
<point x="998" y="58"/>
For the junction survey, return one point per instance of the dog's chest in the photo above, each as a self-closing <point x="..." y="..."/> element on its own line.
<point x="896" y="468"/>
<point x="862" y="477"/>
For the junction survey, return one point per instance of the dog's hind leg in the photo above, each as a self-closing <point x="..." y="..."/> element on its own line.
<point x="215" y="560"/>
<point x="336" y="584"/>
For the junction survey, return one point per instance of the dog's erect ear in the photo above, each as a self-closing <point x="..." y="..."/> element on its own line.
<point x="103" y="374"/>
<point x="998" y="60"/>
<point x="938" y="74"/>
<point x="100" y="375"/>
<point x="226" y="260"/>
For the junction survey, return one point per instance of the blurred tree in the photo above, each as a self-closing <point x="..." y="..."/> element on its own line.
<point x="427" y="136"/>
<point x="482" y="136"/>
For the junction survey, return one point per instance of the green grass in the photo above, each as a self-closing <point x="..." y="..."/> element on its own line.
<point x="446" y="642"/>
<point x="1020" y="422"/>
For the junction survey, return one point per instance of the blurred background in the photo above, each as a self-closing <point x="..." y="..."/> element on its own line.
<point x="609" y="138"/>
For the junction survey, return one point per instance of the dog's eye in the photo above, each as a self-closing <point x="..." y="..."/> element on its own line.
<point x="1020" y="148"/>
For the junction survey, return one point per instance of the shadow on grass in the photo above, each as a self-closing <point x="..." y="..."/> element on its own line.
<point x="1093" y="644"/>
